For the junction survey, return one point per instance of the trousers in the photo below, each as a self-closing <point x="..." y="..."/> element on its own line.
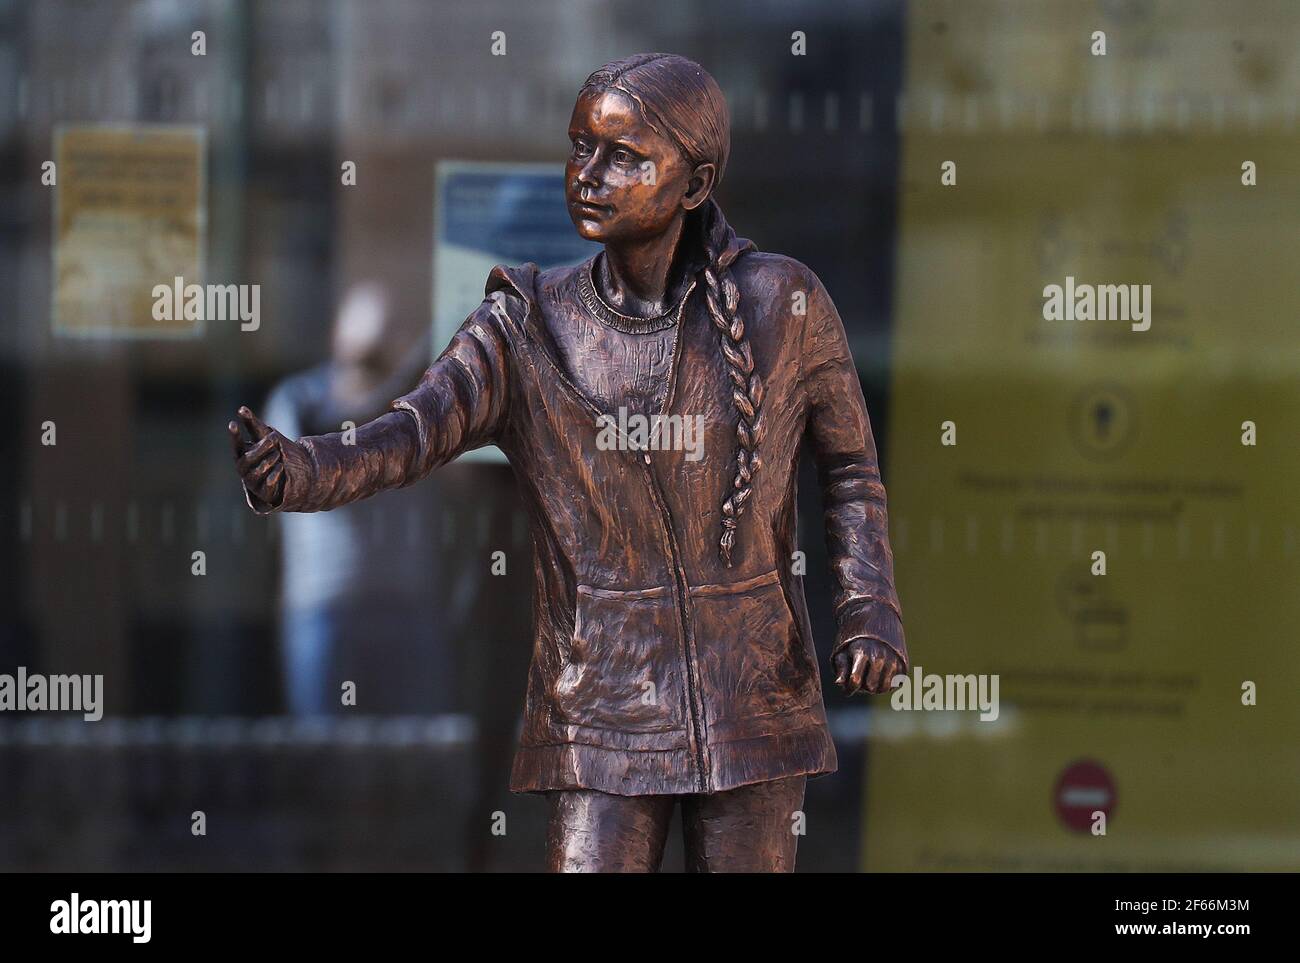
<point x="751" y="829"/>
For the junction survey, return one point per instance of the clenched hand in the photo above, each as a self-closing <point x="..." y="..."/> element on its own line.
<point x="866" y="665"/>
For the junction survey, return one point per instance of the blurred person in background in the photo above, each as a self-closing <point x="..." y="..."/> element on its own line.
<point x="356" y="601"/>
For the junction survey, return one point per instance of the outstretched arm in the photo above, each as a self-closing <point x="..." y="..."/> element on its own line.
<point x="869" y="646"/>
<point x="459" y="404"/>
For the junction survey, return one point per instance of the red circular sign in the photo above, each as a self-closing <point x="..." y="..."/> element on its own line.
<point x="1083" y="788"/>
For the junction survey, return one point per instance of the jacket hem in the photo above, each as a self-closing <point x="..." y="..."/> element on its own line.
<point x="621" y="772"/>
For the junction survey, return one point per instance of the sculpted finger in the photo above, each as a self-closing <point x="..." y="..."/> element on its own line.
<point x="256" y="453"/>
<point x="876" y="677"/>
<point x="842" y="667"/>
<point x="861" y="661"/>
<point x="260" y="488"/>
<point x="256" y="426"/>
<point x="236" y="442"/>
<point x="850" y="661"/>
<point x="263" y="468"/>
<point x="274" y="482"/>
<point x="892" y="667"/>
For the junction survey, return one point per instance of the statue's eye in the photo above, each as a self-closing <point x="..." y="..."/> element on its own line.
<point x="624" y="156"/>
<point x="580" y="147"/>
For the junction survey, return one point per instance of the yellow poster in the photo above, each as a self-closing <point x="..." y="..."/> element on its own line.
<point x="1093" y="447"/>
<point x="129" y="215"/>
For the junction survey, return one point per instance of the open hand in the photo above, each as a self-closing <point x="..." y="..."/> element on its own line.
<point x="866" y="665"/>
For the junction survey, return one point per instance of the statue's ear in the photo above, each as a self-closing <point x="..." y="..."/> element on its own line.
<point x="700" y="186"/>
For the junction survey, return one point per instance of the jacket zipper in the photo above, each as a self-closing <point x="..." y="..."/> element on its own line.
<point x="698" y="732"/>
<point x="688" y="636"/>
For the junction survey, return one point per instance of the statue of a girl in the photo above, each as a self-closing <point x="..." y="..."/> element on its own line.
<point x="673" y="657"/>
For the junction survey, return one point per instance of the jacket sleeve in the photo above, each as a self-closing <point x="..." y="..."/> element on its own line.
<point x="853" y="497"/>
<point x="461" y="403"/>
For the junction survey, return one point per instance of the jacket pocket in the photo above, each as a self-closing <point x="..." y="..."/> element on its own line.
<point x="753" y="660"/>
<point x="624" y="667"/>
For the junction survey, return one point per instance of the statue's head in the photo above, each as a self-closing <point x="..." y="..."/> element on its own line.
<point x="650" y="138"/>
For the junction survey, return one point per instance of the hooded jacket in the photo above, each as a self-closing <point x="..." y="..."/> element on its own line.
<point x="656" y="668"/>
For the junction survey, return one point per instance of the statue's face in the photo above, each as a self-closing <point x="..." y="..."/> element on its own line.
<point x="623" y="180"/>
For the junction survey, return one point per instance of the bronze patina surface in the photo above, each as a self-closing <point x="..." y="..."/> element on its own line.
<point x="672" y="654"/>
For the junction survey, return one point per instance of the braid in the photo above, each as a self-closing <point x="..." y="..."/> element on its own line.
<point x="723" y="298"/>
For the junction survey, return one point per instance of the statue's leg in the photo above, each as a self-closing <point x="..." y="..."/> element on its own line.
<point x="595" y="832"/>
<point x="745" y="830"/>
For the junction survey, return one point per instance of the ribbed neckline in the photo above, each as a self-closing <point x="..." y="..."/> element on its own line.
<point x="626" y="323"/>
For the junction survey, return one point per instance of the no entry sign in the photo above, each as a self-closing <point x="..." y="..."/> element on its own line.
<point x="1083" y="788"/>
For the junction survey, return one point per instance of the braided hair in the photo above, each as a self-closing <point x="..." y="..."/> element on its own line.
<point x="680" y="101"/>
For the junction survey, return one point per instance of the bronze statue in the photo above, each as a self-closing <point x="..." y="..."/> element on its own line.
<point x="673" y="657"/>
